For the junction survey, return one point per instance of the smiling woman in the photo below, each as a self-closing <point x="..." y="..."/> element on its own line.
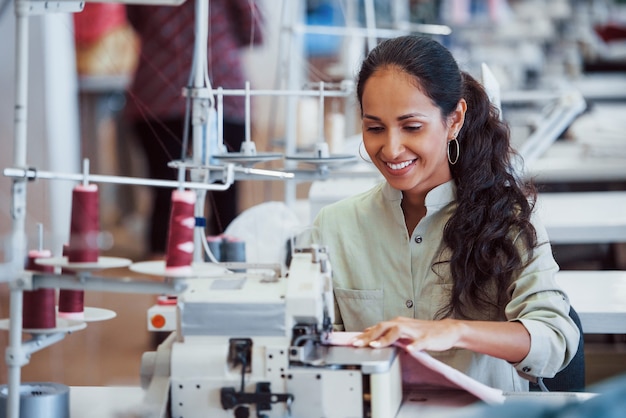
<point x="460" y="265"/>
<point x="407" y="137"/>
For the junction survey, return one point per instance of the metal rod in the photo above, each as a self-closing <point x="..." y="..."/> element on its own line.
<point x="40" y="237"/>
<point x="302" y="93"/>
<point x="220" y="119"/>
<point x="303" y="175"/>
<point x="370" y="23"/>
<point x="294" y="15"/>
<point x="18" y="239"/>
<point x="247" y="112"/>
<point x="105" y="284"/>
<point x="85" y="171"/>
<point x="381" y="33"/>
<point x="320" y="115"/>
<point x="202" y="104"/>
<point x="265" y="173"/>
<point x="41" y="341"/>
<point x="31" y="174"/>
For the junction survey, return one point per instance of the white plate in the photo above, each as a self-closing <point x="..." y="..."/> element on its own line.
<point x="89" y="314"/>
<point x="198" y="269"/>
<point x="101" y="264"/>
<point x="63" y="325"/>
<point x="331" y="159"/>
<point x="247" y="159"/>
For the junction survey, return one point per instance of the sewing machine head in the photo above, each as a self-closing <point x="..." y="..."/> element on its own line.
<point x="255" y="343"/>
<point x="298" y="307"/>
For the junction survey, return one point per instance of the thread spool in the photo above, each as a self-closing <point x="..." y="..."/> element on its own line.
<point x="83" y="246"/>
<point x="85" y="224"/>
<point x="215" y="245"/>
<point x="71" y="302"/>
<point x="233" y="249"/>
<point x="180" y="235"/>
<point x="39" y="400"/>
<point x="335" y="128"/>
<point x="39" y="306"/>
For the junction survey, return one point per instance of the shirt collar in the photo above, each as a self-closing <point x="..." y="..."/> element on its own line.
<point x="438" y="197"/>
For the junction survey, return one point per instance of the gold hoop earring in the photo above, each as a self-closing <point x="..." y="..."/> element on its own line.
<point x="367" y="160"/>
<point x="457" y="153"/>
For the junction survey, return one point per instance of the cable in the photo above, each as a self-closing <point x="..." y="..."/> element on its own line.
<point x="202" y="232"/>
<point x="244" y="365"/>
<point x="305" y="337"/>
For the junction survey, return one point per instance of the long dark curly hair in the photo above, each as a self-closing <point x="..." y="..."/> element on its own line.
<point x="494" y="204"/>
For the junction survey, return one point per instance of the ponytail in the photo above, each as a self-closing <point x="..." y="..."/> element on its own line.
<point x="491" y="204"/>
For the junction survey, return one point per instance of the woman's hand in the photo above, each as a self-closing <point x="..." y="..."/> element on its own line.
<point x="508" y="340"/>
<point x="422" y="335"/>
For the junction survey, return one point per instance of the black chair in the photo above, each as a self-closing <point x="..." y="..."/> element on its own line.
<point x="572" y="377"/>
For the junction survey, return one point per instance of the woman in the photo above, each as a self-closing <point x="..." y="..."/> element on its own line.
<point x="446" y="253"/>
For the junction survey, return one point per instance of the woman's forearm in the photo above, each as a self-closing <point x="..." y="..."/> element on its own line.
<point x="509" y="341"/>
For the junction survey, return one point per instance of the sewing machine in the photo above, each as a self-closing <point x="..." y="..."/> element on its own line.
<point x="249" y="345"/>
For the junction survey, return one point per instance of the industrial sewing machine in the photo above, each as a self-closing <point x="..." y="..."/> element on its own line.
<point x="249" y="345"/>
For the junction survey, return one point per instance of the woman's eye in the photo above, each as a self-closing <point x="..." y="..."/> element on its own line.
<point x="374" y="129"/>
<point x="413" y="127"/>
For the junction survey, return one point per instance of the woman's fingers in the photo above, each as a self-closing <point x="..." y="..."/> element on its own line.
<point x="387" y="338"/>
<point x="382" y="334"/>
<point x="418" y="335"/>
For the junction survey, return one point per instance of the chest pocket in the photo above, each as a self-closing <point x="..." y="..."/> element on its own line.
<point x="359" y="308"/>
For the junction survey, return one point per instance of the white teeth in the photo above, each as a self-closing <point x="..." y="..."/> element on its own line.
<point x="400" y="166"/>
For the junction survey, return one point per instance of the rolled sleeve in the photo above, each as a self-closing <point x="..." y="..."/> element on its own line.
<point x="550" y="349"/>
<point x="543" y="308"/>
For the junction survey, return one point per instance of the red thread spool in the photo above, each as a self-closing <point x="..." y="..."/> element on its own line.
<point x="71" y="302"/>
<point x="85" y="224"/>
<point x="39" y="306"/>
<point x="180" y="235"/>
<point x="83" y="246"/>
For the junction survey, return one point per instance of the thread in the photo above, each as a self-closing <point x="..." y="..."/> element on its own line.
<point x="85" y="224"/>
<point x="180" y="246"/>
<point x="71" y="302"/>
<point x="39" y="306"/>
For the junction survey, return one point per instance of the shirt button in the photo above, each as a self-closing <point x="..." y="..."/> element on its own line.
<point x="526" y="369"/>
<point x="418" y="239"/>
<point x="409" y="303"/>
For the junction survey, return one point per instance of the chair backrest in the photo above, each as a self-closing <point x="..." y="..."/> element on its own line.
<point x="572" y="377"/>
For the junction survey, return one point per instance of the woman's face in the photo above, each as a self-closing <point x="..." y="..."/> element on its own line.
<point x="404" y="133"/>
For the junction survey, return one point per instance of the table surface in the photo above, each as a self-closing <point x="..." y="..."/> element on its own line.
<point x="123" y="401"/>
<point x="599" y="297"/>
<point x="594" y="149"/>
<point x="584" y="217"/>
<point x="574" y="163"/>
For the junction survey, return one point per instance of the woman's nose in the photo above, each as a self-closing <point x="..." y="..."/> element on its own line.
<point x="394" y="145"/>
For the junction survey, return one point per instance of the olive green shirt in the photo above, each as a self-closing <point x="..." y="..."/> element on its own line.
<point x="380" y="273"/>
